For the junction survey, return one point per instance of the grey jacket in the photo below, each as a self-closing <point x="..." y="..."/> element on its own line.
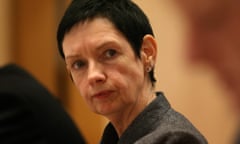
<point x="157" y="124"/>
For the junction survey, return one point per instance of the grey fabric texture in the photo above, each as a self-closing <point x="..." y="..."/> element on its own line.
<point x="158" y="123"/>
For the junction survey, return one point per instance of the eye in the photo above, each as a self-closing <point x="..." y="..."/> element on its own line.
<point x="110" y="53"/>
<point x="78" y="64"/>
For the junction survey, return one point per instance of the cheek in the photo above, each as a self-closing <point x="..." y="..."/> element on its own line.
<point x="82" y="89"/>
<point x="125" y="75"/>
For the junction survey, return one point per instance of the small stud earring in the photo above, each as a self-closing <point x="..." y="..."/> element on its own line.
<point x="148" y="68"/>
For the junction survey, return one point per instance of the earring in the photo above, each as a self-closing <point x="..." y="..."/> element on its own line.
<point x="148" y="68"/>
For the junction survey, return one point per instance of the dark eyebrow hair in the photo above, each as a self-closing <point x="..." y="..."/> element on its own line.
<point x="72" y="56"/>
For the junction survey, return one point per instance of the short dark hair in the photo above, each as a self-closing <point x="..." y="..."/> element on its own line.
<point x="125" y="15"/>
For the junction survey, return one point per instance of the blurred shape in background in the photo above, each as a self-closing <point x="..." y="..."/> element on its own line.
<point x="30" y="114"/>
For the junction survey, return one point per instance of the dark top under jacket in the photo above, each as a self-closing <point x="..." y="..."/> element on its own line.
<point x="157" y="124"/>
<point x="29" y="114"/>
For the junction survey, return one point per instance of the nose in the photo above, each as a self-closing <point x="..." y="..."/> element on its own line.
<point x="96" y="74"/>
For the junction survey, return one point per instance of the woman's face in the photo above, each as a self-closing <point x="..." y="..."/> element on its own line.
<point x="104" y="68"/>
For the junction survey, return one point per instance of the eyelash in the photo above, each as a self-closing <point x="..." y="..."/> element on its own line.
<point x="77" y="64"/>
<point x="110" y="53"/>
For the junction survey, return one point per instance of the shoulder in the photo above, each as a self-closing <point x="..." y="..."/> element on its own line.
<point x="173" y="137"/>
<point x="179" y="137"/>
<point x="174" y="128"/>
<point x="167" y="118"/>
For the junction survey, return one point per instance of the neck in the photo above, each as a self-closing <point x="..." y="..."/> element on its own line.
<point x="123" y="119"/>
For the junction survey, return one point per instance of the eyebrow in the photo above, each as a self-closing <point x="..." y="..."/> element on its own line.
<point x="97" y="48"/>
<point x="72" y="56"/>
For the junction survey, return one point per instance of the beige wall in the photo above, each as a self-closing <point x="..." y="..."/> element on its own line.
<point x="5" y="9"/>
<point x="195" y="92"/>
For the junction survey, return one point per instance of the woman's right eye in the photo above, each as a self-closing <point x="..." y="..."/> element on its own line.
<point x="76" y="65"/>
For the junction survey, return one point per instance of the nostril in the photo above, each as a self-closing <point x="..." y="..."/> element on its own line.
<point x="99" y="80"/>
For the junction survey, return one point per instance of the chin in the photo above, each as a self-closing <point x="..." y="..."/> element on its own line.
<point x="103" y="111"/>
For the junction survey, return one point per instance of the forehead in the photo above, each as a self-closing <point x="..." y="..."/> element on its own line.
<point x="93" y="25"/>
<point x="90" y="30"/>
<point x="92" y="33"/>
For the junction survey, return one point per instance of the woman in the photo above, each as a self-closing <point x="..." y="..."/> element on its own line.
<point x="110" y="53"/>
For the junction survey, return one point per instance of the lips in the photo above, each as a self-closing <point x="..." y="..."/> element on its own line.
<point x="102" y="94"/>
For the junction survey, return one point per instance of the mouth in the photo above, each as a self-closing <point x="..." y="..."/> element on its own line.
<point x="103" y="94"/>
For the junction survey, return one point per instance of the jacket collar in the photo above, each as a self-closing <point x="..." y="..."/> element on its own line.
<point x="143" y="124"/>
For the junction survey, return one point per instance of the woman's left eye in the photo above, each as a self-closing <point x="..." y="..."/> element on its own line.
<point x="110" y="53"/>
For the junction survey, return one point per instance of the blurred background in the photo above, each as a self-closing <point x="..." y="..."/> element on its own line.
<point x="28" y="38"/>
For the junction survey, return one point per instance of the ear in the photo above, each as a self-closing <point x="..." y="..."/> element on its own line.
<point x="149" y="50"/>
